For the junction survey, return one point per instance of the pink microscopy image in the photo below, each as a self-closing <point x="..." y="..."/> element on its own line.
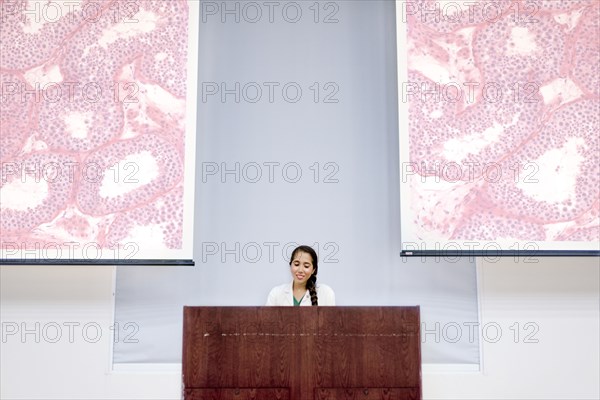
<point x="503" y="120"/>
<point x="93" y="124"/>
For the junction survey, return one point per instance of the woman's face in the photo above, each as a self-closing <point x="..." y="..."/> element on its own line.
<point x="302" y="268"/>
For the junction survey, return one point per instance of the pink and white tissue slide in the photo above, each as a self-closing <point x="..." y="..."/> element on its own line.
<point x="97" y="129"/>
<point x="499" y="108"/>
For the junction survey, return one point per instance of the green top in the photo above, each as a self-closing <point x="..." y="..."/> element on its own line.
<point x="297" y="302"/>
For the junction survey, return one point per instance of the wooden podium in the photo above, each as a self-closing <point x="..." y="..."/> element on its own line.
<point x="301" y="353"/>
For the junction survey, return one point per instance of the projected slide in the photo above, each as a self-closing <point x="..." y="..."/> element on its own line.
<point x="499" y="124"/>
<point x="97" y="129"/>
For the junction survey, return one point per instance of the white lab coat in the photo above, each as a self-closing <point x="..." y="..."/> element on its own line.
<point x="282" y="295"/>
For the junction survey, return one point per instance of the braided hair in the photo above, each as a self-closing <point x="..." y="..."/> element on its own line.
<point x="311" y="283"/>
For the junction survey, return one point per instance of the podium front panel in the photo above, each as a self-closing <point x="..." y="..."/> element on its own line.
<point x="301" y="353"/>
<point x="368" y="347"/>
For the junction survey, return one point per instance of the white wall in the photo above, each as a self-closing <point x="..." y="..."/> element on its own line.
<point x="560" y="296"/>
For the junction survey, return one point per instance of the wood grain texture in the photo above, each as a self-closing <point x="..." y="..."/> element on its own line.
<point x="368" y="346"/>
<point x="301" y="352"/>
<point x="238" y="394"/>
<point x="367" y="394"/>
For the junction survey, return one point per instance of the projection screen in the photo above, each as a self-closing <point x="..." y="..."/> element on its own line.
<point x="97" y="130"/>
<point x="499" y="126"/>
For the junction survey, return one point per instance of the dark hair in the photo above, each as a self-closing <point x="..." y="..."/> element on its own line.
<point x="311" y="284"/>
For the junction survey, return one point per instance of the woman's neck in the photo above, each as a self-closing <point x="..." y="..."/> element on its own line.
<point x="298" y="288"/>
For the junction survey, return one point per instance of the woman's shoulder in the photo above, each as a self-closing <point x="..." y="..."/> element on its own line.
<point x="284" y="287"/>
<point x="279" y="295"/>
<point x="326" y="295"/>
<point x="324" y="290"/>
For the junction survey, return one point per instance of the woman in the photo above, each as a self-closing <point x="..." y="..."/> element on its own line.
<point x="303" y="290"/>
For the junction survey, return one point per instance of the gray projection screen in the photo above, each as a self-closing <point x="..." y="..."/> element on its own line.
<point x="352" y="224"/>
<point x="97" y="132"/>
<point x="499" y="126"/>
